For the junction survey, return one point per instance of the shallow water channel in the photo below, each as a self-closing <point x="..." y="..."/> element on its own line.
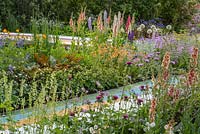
<point x="59" y="106"/>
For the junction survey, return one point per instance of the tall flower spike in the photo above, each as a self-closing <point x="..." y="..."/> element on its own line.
<point x="152" y="110"/>
<point x="128" y="22"/>
<point x="115" y="26"/>
<point x="105" y="15"/>
<point x="166" y="60"/>
<point x="71" y="23"/>
<point x="81" y="18"/>
<point x="194" y="57"/>
<point x="192" y="75"/>
<point x="90" y="23"/>
<point x="131" y="36"/>
<point x="118" y="21"/>
<point x="133" y="19"/>
<point x="99" y="22"/>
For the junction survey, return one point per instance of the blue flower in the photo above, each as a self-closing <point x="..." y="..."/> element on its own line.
<point x="90" y="23"/>
<point x="11" y="68"/>
<point x="20" y="43"/>
<point x="2" y="43"/>
<point x="131" y="36"/>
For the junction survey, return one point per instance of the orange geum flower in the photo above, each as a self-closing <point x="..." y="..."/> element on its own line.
<point x="44" y="36"/>
<point x="5" y="30"/>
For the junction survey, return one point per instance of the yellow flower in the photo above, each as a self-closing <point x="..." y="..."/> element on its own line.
<point x="5" y="30"/>
<point x="37" y="36"/>
<point x="44" y="36"/>
<point x="17" y="30"/>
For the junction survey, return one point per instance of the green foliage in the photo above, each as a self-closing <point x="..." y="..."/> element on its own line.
<point x="20" y="12"/>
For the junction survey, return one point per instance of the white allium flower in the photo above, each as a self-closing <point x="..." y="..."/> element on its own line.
<point x="149" y="31"/>
<point x="168" y="27"/>
<point x="139" y="29"/>
<point x="153" y="27"/>
<point x="142" y="26"/>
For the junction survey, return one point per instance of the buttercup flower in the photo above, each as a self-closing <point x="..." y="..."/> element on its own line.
<point x="17" y="30"/>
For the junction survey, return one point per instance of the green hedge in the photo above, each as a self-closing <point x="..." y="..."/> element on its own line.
<point x="15" y="13"/>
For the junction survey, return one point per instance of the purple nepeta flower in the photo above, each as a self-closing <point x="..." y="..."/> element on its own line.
<point x="131" y="36"/>
<point x="156" y="58"/>
<point x="20" y="43"/>
<point x="90" y="23"/>
<point x="180" y="49"/>
<point x="173" y="62"/>
<point x="150" y="55"/>
<point x="136" y="60"/>
<point x="160" y="25"/>
<point x="2" y="43"/>
<point x="139" y="65"/>
<point x="101" y="93"/>
<point x="146" y="60"/>
<point x="157" y="53"/>
<point x="159" y="42"/>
